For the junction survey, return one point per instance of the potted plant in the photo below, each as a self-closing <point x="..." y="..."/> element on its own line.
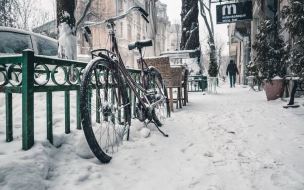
<point x="271" y="58"/>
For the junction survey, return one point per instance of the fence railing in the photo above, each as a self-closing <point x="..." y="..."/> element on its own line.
<point x="28" y="74"/>
<point x="197" y="83"/>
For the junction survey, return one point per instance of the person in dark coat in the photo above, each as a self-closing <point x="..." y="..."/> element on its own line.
<point x="232" y="70"/>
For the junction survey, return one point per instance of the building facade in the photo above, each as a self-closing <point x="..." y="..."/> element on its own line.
<point x="132" y="28"/>
<point x="242" y="34"/>
<point x="163" y="39"/>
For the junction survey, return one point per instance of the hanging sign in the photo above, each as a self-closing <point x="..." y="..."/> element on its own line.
<point x="234" y="12"/>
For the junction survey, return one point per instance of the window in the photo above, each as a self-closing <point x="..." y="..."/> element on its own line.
<point x="120" y="5"/>
<point x="129" y="32"/>
<point x="46" y="47"/>
<point x="138" y="19"/>
<point x="14" y="43"/>
<point x="121" y="29"/>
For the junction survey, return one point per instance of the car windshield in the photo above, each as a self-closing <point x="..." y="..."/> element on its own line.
<point x="14" y="43"/>
<point x="46" y="47"/>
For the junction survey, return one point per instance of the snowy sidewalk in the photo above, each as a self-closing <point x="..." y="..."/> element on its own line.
<point x="232" y="140"/>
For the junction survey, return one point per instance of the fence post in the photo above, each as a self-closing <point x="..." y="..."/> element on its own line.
<point x="9" y="117"/>
<point x="67" y="111"/>
<point x="27" y="99"/>
<point x="78" y="119"/>
<point x="49" y="116"/>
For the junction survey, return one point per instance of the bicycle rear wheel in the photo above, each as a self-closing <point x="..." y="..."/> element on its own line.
<point x="162" y="109"/>
<point x="103" y="93"/>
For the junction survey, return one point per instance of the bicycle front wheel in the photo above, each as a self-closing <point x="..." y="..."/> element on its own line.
<point x="162" y="109"/>
<point x="105" y="110"/>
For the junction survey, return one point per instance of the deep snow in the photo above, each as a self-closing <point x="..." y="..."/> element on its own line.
<point x="231" y="140"/>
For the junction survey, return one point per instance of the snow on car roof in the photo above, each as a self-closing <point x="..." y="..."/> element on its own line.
<point x="8" y="29"/>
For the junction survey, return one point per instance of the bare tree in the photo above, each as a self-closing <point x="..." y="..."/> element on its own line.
<point x="24" y="10"/>
<point x="219" y="45"/>
<point x="87" y="7"/>
<point x="221" y="58"/>
<point x="7" y="18"/>
<point x="40" y="17"/>
<point x="205" y="7"/>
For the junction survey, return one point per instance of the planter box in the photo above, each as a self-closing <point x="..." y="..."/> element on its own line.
<point x="274" y="90"/>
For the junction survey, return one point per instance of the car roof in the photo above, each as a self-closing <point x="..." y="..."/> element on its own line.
<point x="15" y="30"/>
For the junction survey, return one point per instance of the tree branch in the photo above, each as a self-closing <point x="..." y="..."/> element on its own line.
<point x="206" y="7"/>
<point x="84" y="13"/>
<point x="210" y="16"/>
<point x="210" y="31"/>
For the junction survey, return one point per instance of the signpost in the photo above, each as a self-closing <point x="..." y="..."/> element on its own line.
<point x="234" y="12"/>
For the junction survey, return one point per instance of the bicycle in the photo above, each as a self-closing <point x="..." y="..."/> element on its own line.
<point x="107" y="76"/>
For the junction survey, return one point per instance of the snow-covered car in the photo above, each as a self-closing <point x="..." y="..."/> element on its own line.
<point x="14" y="41"/>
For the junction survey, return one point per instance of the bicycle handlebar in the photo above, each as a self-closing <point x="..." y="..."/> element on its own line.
<point x="144" y="14"/>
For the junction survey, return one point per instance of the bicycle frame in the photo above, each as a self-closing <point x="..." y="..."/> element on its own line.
<point x="120" y="67"/>
<point x="151" y="95"/>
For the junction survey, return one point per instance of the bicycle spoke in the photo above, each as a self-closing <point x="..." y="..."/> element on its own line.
<point x="104" y="99"/>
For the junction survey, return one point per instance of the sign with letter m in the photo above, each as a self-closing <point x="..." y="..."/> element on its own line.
<point x="234" y="12"/>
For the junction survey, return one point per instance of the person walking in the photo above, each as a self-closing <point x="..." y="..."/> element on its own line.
<point x="232" y="70"/>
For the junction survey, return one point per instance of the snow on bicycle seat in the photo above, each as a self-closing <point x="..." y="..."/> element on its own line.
<point x="140" y="44"/>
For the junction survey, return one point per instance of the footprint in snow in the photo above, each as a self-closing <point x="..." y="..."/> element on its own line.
<point x="208" y="154"/>
<point x="183" y="150"/>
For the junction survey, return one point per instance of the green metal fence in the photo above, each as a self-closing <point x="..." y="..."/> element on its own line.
<point x="197" y="83"/>
<point x="28" y="74"/>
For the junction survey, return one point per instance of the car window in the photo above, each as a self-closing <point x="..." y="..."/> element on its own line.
<point x="46" y="47"/>
<point x="14" y="43"/>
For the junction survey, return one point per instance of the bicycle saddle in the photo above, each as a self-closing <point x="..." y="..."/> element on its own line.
<point x="140" y="44"/>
